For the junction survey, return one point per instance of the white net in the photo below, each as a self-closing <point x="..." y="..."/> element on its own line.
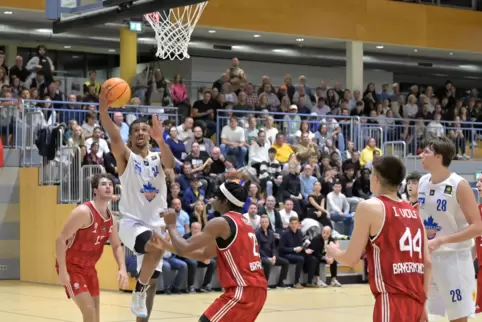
<point x="174" y="28"/>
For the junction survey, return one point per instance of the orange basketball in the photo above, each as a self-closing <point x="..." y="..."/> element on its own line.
<point x="117" y="92"/>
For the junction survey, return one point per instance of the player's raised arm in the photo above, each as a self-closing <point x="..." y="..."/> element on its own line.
<point x="217" y="227"/>
<point x="167" y="158"/>
<point x="360" y="236"/>
<point x="79" y="218"/>
<point x="118" y="252"/>
<point x="468" y="205"/>
<point x="118" y="147"/>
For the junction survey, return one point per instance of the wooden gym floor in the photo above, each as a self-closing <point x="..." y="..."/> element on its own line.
<point x="22" y="302"/>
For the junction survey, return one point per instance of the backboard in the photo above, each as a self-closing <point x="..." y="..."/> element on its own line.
<point x="75" y="14"/>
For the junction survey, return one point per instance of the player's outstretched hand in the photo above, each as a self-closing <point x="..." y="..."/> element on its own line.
<point x="64" y="278"/>
<point x="170" y="217"/>
<point x="156" y="129"/>
<point x="122" y="278"/>
<point x="331" y="250"/>
<point x="104" y="104"/>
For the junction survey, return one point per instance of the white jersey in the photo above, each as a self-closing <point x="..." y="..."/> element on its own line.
<point x="144" y="190"/>
<point x="440" y="210"/>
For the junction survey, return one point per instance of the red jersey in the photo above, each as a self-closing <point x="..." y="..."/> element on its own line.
<point x="239" y="264"/>
<point x="395" y="256"/>
<point x="87" y="245"/>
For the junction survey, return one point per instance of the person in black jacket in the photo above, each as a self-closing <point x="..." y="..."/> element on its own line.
<point x="318" y="245"/>
<point x="269" y="210"/>
<point x="267" y="249"/>
<point x="291" y="248"/>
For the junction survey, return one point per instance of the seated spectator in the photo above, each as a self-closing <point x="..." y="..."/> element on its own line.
<point x="291" y="123"/>
<point x="252" y="216"/>
<point x="89" y="125"/>
<point x="328" y="179"/>
<point x="177" y="146"/>
<point x="252" y="130"/>
<point x="283" y="150"/>
<point x="205" y="144"/>
<point x="306" y="148"/>
<point x="270" y="173"/>
<point x="171" y="262"/>
<point x="217" y="165"/>
<point x="287" y="213"/>
<point x="307" y="181"/>
<point x="203" y="113"/>
<point x="174" y="193"/>
<point x="347" y="181"/>
<point x="199" y="214"/>
<point x="316" y="206"/>
<point x="339" y="208"/>
<point x="242" y="105"/>
<point x="193" y="194"/>
<point x="270" y="129"/>
<point x="354" y="161"/>
<point x="274" y="216"/>
<point x="123" y="127"/>
<point x="376" y="155"/>
<point x="234" y="142"/>
<point x="267" y="249"/>
<point x="192" y="265"/>
<point x="254" y="197"/>
<point x="197" y="159"/>
<point x="259" y="151"/>
<point x="318" y="245"/>
<point x="102" y="144"/>
<point x="361" y="186"/>
<point x="182" y="223"/>
<point x="184" y="131"/>
<point x="92" y="157"/>
<point x="367" y="152"/>
<point x="290" y="187"/>
<point x="291" y="249"/>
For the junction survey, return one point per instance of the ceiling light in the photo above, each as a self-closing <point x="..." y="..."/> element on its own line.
<point x="67" y="47"/>
<point x="111" y="50"/>
<point x="451" y="54"/>
<point x="256" y="36"/>
<point x="279" y="50"/>
<point x="379" y="47"/>
<point x="212" y="31"/>
<point x="144" y="39"/>
<point x="43" y="30"/>
<point x="237" y="47"/>
<point x="415" y="50"/>
<point x="75" y="57"/>
<point x="300" y="39"/>
<point x="7" y="12"/>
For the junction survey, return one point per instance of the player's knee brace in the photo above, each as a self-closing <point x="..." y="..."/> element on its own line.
<point x="141" y="240"/>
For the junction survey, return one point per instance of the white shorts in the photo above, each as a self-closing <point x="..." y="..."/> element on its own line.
<point x="453" y="289"/>
<point x="129" y="230"/>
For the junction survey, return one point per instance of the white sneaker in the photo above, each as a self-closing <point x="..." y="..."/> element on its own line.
<point x="138" y="304"/>
<point x="320" y="283"/>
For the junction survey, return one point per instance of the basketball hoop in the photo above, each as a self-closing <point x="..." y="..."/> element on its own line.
<point x="174" y="28"/>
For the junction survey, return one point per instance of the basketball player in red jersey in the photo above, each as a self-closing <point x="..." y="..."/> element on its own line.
<point x="81" y="243"/>
<point x="478" y="253"/>
<point x="231" y="238"/>
<point x="396" y="247"/>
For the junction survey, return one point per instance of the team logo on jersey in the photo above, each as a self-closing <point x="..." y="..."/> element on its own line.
<point x="138" y="168"/>
<point x="154" y="158"/>
<point x="448" y="189"/>
<point x="431" y="227"/>
<point x="146" y="163"/>
<point x="432" y="192"/>
<point x="76" y="286"/>
<point x="149" y="191"/>
<point x="421" y="202"/>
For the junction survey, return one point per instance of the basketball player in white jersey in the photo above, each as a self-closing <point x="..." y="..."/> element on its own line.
<point x="143" y="202"/>
<point x="451" y="217"/>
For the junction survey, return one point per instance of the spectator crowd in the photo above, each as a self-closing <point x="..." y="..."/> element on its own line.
<point x="305" y="153"/>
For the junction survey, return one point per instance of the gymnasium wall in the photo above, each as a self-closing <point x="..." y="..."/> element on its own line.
<point x="9" y="224"/>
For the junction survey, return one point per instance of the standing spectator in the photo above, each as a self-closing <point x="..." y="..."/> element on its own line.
<point x="179" y="96"/>
<point x="339" y="208"/>
<point x="203" y="112"/>
<point x="92" y="82"/>
<point x="267" y="250"/>
<point x="234" y="142"/>
<point x="235" y="71"/>
<point x="291" y="249"/>
<point x="43" y="63"/>
<point x="192" y="265"/>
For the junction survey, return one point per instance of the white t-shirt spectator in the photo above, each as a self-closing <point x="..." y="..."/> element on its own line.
<point x="285" y="217"/>
<point x="435" y="129"/>
<point x="233" y="135"/>
<point x="103" y="146"/>
<point x="184" y="135"/>
<point x="271" y="134"/>
<point x="255" y="222"/>
<point x="257" y="153"/>
<point x="410" y="110"/>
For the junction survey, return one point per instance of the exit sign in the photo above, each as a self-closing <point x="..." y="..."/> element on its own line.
<point x="135" y="26"/>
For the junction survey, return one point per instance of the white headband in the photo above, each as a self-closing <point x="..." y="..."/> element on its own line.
<point x="230" y="196"/>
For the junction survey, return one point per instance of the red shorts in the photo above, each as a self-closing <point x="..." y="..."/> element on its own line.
<point x="82" y="281"/>
<point x="397" y="308"/>
<point x="240" y="304"/>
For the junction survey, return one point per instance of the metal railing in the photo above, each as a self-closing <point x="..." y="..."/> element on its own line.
<point x="87" y="172"/>
<point x="70" y="175"/>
